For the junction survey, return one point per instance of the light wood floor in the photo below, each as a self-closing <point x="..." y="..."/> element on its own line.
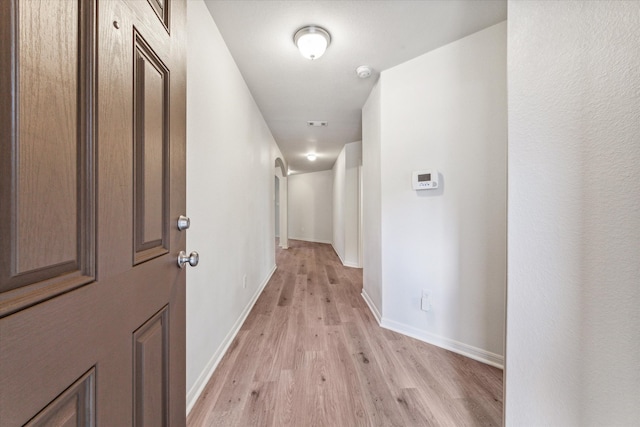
<point x="311" y="354"/>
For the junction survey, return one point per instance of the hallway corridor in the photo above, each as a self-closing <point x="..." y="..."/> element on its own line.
<point x="311" y="354"/>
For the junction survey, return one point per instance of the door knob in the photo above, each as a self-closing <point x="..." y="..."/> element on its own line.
<point x="183" y="222"/>
<point x="193" y="258"/>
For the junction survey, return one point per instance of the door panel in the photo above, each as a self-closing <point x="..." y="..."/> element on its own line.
<point x="161" y="8"/>
<point x="47" y="184"/>
<point x="151" y="88"/>
<point x="91" y="188"/>
<point x="48" y="128"/>
<point x="74" y="407"/>
<point x="151" y="354"/>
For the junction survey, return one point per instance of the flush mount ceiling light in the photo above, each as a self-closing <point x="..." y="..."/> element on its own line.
<point x="312" y="41"/>
<point x="311" y="157"/>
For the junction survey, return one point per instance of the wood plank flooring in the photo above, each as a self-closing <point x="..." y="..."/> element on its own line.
<point x="311" y="354"/>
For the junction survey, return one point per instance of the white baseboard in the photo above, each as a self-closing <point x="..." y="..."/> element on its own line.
<point x="307" y="239"/>
<point x="345" y="263"/>
<point x="337" y="253"/>
<point x="207" y="372"/>
<point x="475" y="353"/>
<point x="372" y="306"/>
<point x="283" y="246"/>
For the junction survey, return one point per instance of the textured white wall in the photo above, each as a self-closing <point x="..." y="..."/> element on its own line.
<point x="311" y="206"/>
<point x="230" y="190"/>
<point x="573" y="338"/>
<point x="447" y="110"/>
<point x="371" y="222"/>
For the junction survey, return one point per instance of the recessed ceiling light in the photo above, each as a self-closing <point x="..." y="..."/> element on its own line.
<point x="364" y="71"/>
<point x="312" y="41"/>
<point x="312" y="157"/>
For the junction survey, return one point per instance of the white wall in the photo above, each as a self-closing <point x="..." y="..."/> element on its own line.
<point x="276" y="204"/>
<point x="371" y="215"/>
<point x="283" y="221"/>
<point x="446" y="110"/>
<point x="339" y="170"/>
<point x="230" y="190"/>
<point x="346" y="204"/>
<point x="573" y="338"/>
<point x="352" y="204"/>
<point x="310" y="206"/>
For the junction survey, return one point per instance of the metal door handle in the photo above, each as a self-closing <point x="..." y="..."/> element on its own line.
<point x="183" y="222"/>
<point x="193" y="258"/>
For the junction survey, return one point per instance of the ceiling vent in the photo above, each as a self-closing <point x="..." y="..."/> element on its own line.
<point x="318" y="123"/>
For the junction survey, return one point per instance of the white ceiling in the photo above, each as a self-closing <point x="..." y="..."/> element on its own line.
<point x="290" y="90"/>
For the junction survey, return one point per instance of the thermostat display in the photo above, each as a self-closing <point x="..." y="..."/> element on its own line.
<point x="425" y="180"/>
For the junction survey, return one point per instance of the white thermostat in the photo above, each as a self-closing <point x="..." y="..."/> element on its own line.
<point x="425" y="180"/>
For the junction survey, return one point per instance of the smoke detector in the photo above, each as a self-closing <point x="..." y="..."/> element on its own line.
<point x="364" y="71"/>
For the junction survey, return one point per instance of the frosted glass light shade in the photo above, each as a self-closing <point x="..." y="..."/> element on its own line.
<point x="312" y="41"/>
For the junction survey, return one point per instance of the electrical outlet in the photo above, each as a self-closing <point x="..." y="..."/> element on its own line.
<point x="244" y="282"/>
<point x="425" y="303"/>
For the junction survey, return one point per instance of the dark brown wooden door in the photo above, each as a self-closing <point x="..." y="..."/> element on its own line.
<point x="92" y="168"/>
